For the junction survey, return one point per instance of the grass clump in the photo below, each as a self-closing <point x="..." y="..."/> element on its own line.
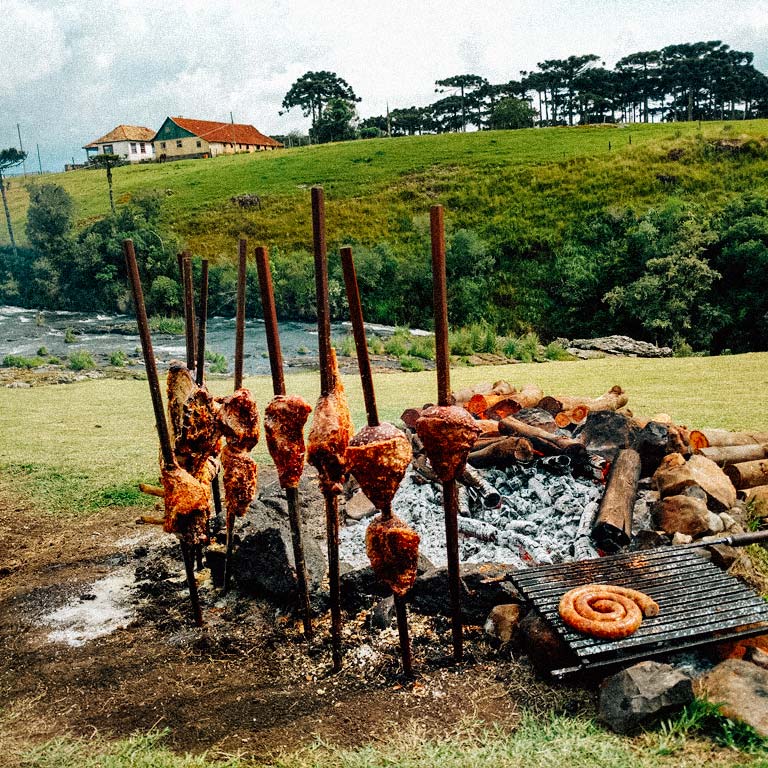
<point x="118" y="358"/>
<point x="19" y="361"/>
<point x="173" y="326"/>
<point x="556" y="351"/>
<point x="42" y="352"/>
<point x="347" y="347"/>
<point x="217" y="363"/>
<point x="69" y="336"/>
<point x="302" y="350"/>
<point x="375" y="345"/>
<point x="398" y="344"/>
<point x="460" y="342"/>
<point x="423" y="347"/>
<point x="525" y="348"/>
<point x="81" y="361"/>
<point x="411" y="364"/>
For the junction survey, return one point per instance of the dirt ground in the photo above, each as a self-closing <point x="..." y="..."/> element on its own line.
<point x="247" y="683"/>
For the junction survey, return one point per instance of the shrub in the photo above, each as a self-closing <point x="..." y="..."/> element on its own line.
<point x="525" y="348"/>
<point x="682" y="348"/>
<point x="411" y="364"/>
<point x="302" y="350"/>
<point x="423" y="347"/>
<point x="19" y="361"/>
<point x="81" y="361"/>
<point x="556" y="351"/>
<point x="118" y="358"/>
<point x="69" y="336"/>
<point x="348" y="348"/>
<point x="42" y="352"/>
<point x="173" y="326"/>
<point x="375" y="345"/>
<point x="217" y="363"/>
<point x="460" y="342"/>
<point x="397" y="345"/>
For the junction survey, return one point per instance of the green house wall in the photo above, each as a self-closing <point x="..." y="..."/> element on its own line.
<point x="169" y="131"/>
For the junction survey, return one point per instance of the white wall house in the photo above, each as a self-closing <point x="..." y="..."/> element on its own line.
<point x="131" y="142"/>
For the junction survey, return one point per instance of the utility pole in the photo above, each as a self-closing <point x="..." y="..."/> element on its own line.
<point x="232" y="122"/>
<point x="21" y="149"/>
<point x="39" y="163"/>
<point x="389" y="122"/>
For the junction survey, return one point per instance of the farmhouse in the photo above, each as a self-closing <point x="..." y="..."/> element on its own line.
<point x="132" y="142"/>
<point x="181" y="137"/>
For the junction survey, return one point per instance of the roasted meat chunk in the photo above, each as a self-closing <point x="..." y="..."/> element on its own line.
<point x="240" y="479"/>
<point x="448" y="433"/>
<point x="284" y="420"/>
<point x="329" y="436"/>
<point x="238" y="419"/>
<point x="393" y="549"/>
<point x="378" y="457"/>
<point x="187" y="502"/>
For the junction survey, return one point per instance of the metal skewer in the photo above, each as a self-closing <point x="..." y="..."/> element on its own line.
<point x="239" y="347"/>
<point x="189" y="310"/>
<point x="327" y="385"/>
<point x="442" y="362"/>
<point x="201" y="328"/>
<point x="369" y="396"/>
<point x="166" y="448"/>
<point x="278" y="387"/>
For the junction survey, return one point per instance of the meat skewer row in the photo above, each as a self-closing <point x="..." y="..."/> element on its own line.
<point x="284" y="420"/>
<point x="605" y="611"/>
<point x="378" y="456"/>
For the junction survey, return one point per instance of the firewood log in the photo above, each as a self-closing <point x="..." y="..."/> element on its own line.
<point x="612" y="400"/>
<point x="503" y="450"/>
<point x="748" y="474"/>
<point x="734" y="454"/>
<point x="757" y="498"/>
<point x="508" y="406"/>
<point x="479" y="404"/>
<point x="571" y="416"/>
<point x="541" y="440"/>
<point x="710" y="438"/>
<point x="613" y="526"/>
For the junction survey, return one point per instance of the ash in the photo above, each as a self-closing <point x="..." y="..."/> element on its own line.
<point x="543" y="517"/>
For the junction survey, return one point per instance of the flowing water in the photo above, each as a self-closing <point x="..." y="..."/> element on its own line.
<point x="24" y="331"/>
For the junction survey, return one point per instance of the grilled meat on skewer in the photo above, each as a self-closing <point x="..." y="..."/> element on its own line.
<point x="187" y="502"/>
<point x="238" y="419"/>
<point x="284" y="420"/>
<point x="329" y="435"/>
<point x="393" y="549"/>
<point x="448" y="433"/>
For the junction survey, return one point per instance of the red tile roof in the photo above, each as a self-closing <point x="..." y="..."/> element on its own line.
<point x="226" y="132"/>
<point x="124" y="133"/>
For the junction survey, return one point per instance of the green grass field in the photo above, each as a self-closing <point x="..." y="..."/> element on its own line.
<point x="80" y="447"/>
<point x="379" y="189"/>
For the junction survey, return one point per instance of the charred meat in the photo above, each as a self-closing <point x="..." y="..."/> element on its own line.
<point x="284" y="420"/>
<point x="393" y="549"/>
<point x="448" y="433"/>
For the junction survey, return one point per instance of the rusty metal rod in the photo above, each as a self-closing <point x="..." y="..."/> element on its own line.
<point x="270" y="320"/>
<point x="240" y="312"/>
<point x="189" y="311"/>
<point x="327" y="382"/>
<point x="278" y="387"/>
<point x="166" y="447"/>
<point x="332" y="540"/>
<point x="440" y="300"/>
<point x="358" y="330"/>
<point x="450" y="504"/>
<point x="228" y="555"/>
<point x="201" y="328"/>
<point x="401" y="612"/>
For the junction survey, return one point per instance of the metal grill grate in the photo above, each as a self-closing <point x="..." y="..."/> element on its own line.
<point x="698" y="603"/>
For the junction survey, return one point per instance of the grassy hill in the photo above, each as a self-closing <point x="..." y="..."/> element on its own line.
<point x="379" y="189"/>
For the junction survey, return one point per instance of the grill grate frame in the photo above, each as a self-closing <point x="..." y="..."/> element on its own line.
<point x="698" y="604"/>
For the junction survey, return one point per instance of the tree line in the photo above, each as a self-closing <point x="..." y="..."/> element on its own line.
<point x="689" y="81"/>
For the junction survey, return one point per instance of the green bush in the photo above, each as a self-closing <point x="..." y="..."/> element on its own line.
<point x="460" y="342"/>
<point x="682" y="349"/>
<point x="375" y="345"/>
<point x="411" y="364"/>
<point x="217" y="363"/>
<point x="423" y="347"/>
<point x="173" y="326"/>
<point x="397" y="345"/>
<point x="19" y="361"/>
<point x="556" y="351"/>
<point x="69" y="336"/>
<point x="347" y="348"/>
<point x="118" y="358"/>
<point x="81" y="361"/>
<point x="42" y="352"/>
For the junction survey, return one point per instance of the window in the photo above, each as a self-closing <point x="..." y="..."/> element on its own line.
<point x="143" y="148"/>
<point x="133" y="147"/>
<point x="178" y="143"/>
<point x="199" y="144"/>
<point x="162" y="145"/>
<point x="108" y="149"/>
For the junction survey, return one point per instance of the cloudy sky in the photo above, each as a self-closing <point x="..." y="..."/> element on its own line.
<point x="72" y="70"/>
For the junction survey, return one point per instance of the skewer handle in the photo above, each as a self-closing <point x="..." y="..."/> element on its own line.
<point x="358" y="330"/>
<point x="164" y="436"/>
<point x="270" y="320"/>
<point x="201" y="329"/>
<point x="189" y="568"/>
<point x="189" y="311"/>
<point x="327" y="382"/>
<point x="440" y="300"/>
<point x="302" y="580"/>
<point x="450" y="502"/>
<point x="332" y="534"/>
<point x="240" y="313"/>
<point x="402" y="630"/>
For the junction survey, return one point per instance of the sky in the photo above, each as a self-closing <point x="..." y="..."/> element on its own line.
<point x="70" y="71"/>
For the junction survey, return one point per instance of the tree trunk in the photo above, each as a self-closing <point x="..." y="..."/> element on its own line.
<point x="8" y="217"/>
<point x="111" y="196"/>
<point x="613" y="527"/>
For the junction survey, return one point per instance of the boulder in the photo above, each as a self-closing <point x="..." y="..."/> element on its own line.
<point x="639" y="695"/>
<point x="620" y="345"/>
<point x="682" y="514"/>
<point x="741" y="688"/>
<point x="359" y="506"/>
<point x="721" y="493"/>
<point x="673" y="475"/>
<point x="261" y="566"/>
<point x="502" y="622"/>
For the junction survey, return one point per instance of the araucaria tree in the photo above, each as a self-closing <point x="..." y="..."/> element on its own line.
<point x="313" y="92"/>
<point x="9" y="158"/>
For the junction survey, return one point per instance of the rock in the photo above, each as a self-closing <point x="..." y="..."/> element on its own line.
<point x="721" y="493"/>
<point x="673" y="475"/>
<point x="620" y="345"/>
<point x="383" y="613"/>
<point x="681" y="538"/>
<point x="359" y="587"/>
<point x="360" y="506"/>
<point x="741" y="689"/>
<point x="214" y="559"/>
<point x="641" y="694"/>
<point x="543" y="645"/>
<point x="723" y="556"/>
<point x="739" y="649"/>
<point x="648" y="540"/>
<point x="715" y="523"/>
<point x="728" y="521"/>
<point x="18" y="385"/>
<point x="502" y="622"/>
<point x="261" y="566"/>
<point x="757" y="656"/>
<point x="682" y="514"/>
<point x="484" y="586"/>
<point x="695" y="493"/>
